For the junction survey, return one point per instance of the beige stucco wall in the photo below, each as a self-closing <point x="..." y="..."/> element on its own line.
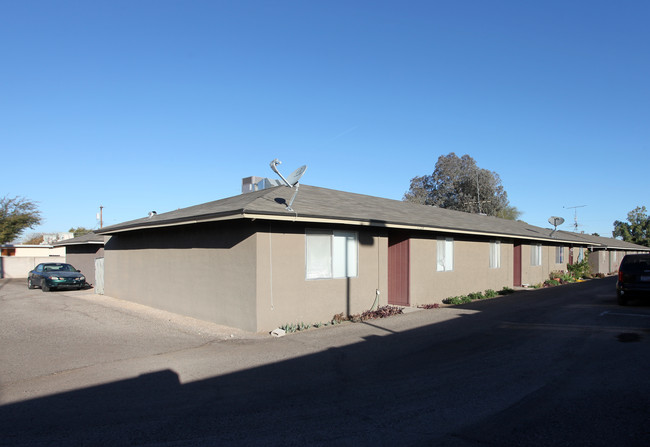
<point x="615" y="258"/>
<point x="605" y="261"/>
<point x="471" y="271"/>
<point x="599" y="260"/>
<point x="252" y="275"/>
<point x="40" y="251"/>
<point x="20" y="266"/>
<point x="537" y="274"/>
<point x="82" y="257"/>
<point x="285" y="296"/>
<point x="204" y="271"/>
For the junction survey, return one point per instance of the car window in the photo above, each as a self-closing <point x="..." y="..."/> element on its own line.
<point x="637" y="263"/>
<point x="59" y="268"/>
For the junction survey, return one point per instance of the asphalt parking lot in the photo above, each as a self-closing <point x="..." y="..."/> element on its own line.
<point x="62" y="340"/>
<point x="563" y="366"/>
<point x="47" y="336"/>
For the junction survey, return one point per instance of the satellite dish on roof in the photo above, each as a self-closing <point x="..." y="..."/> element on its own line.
<point x="296" y="175"/>
<point x="291" y="181"/>
<point x="555" y="221"/>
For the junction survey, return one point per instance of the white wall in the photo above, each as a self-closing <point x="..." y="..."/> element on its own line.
<point x="39" y="250"/>
<point x="20" y="266"/>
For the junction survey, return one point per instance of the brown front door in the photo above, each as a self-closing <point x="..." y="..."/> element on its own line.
<point x="516" y="261"/>
<point x="398" y="270"/>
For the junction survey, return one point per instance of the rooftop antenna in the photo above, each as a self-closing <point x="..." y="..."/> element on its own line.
<point x="555" y="221"/>
<point x="291" y="181"/>
<point x="575" y="216"/>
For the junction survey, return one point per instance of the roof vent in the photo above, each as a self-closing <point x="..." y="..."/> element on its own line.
<point x="151" y="214"/>
<point x="250" y="184"/>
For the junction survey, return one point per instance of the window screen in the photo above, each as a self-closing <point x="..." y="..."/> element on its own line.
<point x="495" y="254"/>
<point x="319" y="255"/>
<point x="331" y="254"/>
<point x="445" y="254"/>
<point x="536" y="254"/>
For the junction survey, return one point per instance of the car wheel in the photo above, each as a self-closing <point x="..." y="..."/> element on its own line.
<point x="620" y="298"/>
<point x="30" y="285"/>
<point x="45" y="287"/>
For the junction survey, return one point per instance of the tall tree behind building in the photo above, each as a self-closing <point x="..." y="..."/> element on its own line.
<point x="80" y="231"/>
<point x="459" y="184"/>
<point x="636" y="229"/>
<point x="34" y="239"/>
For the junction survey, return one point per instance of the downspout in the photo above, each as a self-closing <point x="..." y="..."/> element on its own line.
<point x="271" y="265"/>
<point x="375" y="305"/>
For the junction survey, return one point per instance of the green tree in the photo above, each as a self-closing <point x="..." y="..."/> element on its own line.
<point x="636" y="229"/>
<point x="16" y="215"/>
<point x="79" y="231"/>
<point x="459" y="184"/>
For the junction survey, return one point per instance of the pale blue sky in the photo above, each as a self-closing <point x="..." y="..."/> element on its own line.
<point x="159" y="105"/>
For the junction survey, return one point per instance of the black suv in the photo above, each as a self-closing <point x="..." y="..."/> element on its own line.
<point x="633" y="277"/>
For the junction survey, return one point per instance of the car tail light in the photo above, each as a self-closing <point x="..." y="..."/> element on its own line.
<point x="620" y="275"/>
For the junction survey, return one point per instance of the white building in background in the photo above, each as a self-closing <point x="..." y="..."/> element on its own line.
<point x="17" y="260"/>
<point x="23" y="251"/>
<point x="51" y="238"/>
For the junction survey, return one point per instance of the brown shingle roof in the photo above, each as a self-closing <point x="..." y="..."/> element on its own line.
<point x="608" y="242"/>
<point x="89" y="238"/>
<point x="320" y="204"/>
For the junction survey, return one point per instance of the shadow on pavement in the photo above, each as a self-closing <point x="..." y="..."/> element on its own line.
<point x="427" y="386"/>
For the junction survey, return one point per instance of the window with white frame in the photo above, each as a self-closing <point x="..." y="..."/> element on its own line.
<point x="445" y="254"/>
<point x="331" y="254"/>
<point x="495" y="254"/>
<point x="559" y="255"/>
<point x="581" y="254"/>
<point x="536" y="254"/>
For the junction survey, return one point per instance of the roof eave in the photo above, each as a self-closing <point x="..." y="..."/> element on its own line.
<point x="60" y="244"/>
<point x="294" y="217"/>
<point x="397" y="225"/>
<point x="171" y="223"/>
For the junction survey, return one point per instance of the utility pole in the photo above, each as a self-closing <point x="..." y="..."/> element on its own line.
<point x="575" y="216"/>
<point x="478" y="194"/>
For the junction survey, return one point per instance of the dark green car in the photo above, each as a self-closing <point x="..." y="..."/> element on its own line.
<point x="55" y="275"/>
